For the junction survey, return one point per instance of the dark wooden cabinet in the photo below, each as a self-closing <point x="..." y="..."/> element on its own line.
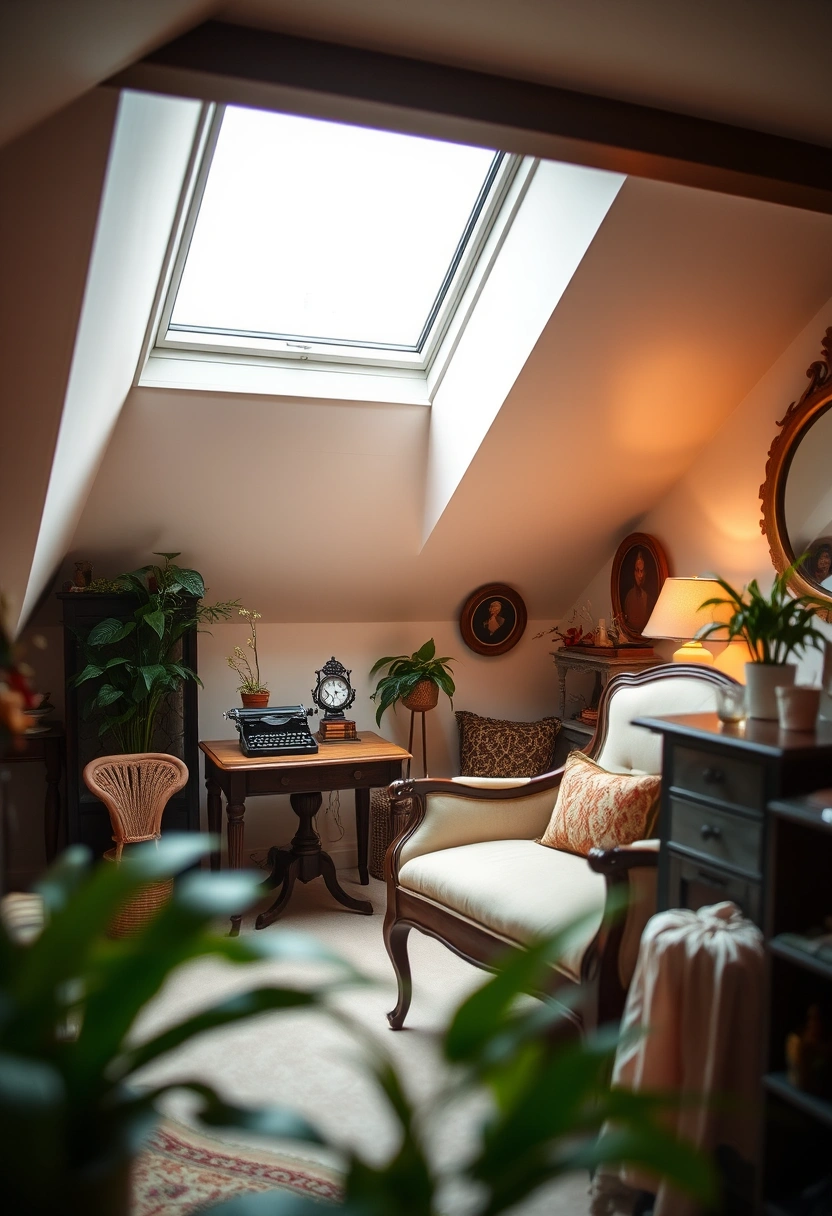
<point x="796" y="1151"/>
<point x="717" y="779"/>
<point x="729" y="831"/>
<point x="177" y="733"/>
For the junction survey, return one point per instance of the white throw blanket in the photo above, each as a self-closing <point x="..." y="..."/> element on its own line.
<point x="697" y="992"/>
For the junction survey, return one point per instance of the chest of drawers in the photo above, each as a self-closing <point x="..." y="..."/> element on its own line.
<point x="716" y="781"/>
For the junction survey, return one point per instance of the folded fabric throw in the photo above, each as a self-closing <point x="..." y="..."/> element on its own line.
<point x="691" y="1025"/>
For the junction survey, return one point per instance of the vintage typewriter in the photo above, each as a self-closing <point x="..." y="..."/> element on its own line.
<point x="278" y="730"/>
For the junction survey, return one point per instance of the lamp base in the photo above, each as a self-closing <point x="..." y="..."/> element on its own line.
<point x="693" y="652"/>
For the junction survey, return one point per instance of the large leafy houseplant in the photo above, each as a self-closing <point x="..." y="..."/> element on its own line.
<point x="134" y="664"/>
<point x="774" y="626"/>
<point x="406" y="671"/>
<point x="71" y="1116"/>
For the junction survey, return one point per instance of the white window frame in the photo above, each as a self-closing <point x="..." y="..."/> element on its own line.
<point x="308" y="354"/>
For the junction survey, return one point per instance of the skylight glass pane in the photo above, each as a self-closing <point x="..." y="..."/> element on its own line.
<point x="317" y="230"/>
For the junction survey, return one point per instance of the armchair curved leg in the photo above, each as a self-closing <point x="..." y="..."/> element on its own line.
<point x="395" y="939"/>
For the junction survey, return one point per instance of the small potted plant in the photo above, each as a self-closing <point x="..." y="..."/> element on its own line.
<point x="416" y="680"/>
<point x="254" y="693"/>
<point x="774" y="627"/>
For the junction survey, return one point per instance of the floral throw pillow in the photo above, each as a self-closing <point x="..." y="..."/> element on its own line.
<point x="492" y="747"/>
<point x="597" y="809"/>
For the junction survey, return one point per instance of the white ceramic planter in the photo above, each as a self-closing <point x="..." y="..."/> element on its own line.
<point x="761" y="679"/>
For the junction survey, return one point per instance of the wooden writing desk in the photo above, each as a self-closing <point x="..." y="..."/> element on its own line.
<point x="359" y="766"/>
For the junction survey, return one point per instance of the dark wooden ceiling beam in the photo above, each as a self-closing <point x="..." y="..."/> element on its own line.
<point x="238" y="64"/>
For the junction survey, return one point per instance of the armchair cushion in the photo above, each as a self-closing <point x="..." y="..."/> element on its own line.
<point x="493" y="747"/>
<point x="599" y="809"/>
<point x="516" y="890"/>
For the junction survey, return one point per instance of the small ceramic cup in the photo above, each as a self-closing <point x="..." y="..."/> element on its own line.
<point x="730" y="703"/>
<point x="797" y="707"/>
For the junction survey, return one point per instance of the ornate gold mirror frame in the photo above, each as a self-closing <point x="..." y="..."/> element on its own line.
<point x="800" y="417"/>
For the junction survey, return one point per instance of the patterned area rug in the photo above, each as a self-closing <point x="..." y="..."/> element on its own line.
<point x="182" y="1171"/>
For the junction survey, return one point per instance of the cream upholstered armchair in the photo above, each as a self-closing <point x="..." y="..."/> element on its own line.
<point x="467" y="867"/>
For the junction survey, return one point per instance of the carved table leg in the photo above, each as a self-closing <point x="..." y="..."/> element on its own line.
<point x="236" y="814"/>
<point x="362" y="833"/>
<point x="214" y="815"/>
<point x="356" y="905"/>
<point x="285" y="869"/>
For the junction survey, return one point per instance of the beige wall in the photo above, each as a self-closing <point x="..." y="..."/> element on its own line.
<point x="710" y="521"/>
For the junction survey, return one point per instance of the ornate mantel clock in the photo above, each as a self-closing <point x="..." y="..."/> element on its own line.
<point x="333" y="694"/>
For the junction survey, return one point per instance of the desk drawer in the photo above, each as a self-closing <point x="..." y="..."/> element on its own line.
<point x="721" y="777"/>
<point x="716" y="834"/>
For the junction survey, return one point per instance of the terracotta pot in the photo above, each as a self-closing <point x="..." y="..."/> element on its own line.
<point x="255" y="700"/>
<point x="424" y="696"/>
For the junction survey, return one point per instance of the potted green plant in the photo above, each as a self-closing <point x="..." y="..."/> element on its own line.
<point x="774" y="627"/>
<point x="416" y="680"/>
<point x="71" y="1116"/>
<point x="134" y="664"/>
<point x="253" y="692"/>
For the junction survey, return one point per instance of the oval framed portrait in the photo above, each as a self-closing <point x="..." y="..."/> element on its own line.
<point x="493" y="619"/>
<point x="638" y="570"/>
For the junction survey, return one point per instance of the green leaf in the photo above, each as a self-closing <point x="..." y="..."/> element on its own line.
<point x="167" y="556"/>
<point x="107" y="695"/>
<point x="90" y="672"/>
<point x="426" y="652"/>
<point x="156" y="621"/>
<point x="192" y="582"/>
<point x="108" y="631"/>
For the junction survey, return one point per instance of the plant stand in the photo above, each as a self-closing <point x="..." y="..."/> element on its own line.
<point x="421" y="713"/>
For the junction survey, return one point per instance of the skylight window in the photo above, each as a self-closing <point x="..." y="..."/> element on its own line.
<point x="313" y="240"/>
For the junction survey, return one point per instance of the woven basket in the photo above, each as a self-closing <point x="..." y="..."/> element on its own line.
<point x="424" y="696"/>
<point x="144" y="905"/>
<point x="382" y="831"/>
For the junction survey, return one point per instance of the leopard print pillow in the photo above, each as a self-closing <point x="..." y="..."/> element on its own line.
<point x="491" y="747"/>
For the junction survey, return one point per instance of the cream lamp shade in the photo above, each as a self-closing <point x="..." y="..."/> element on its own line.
<point x="678" y="614"/>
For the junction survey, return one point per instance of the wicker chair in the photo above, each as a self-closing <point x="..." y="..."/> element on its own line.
<point x="135" y="790"/>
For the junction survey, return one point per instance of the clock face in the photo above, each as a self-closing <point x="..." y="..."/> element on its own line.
<point x="334" y="692"/>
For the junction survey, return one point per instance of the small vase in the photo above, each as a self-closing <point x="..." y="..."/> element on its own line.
<point x="424" y="696"/>
<point x="761" y="679"/>
<point x="255" y="700"/>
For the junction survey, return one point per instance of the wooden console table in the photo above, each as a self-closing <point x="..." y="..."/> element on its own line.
<point x="359" y="766"/>
<point x="599" y="665"/>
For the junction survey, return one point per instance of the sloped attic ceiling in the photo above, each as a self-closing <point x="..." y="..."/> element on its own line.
<point x="771" y="76"/>
<point x="313" y="510"/>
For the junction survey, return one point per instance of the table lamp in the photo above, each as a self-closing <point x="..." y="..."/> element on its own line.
<point x="678" y="615"/>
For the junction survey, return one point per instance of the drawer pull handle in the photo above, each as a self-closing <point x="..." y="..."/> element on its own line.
<point x="284" y="780"/>
<point x="713" y="776"/>
<point x="709" y="832"/>
<point x="358" y="774"/>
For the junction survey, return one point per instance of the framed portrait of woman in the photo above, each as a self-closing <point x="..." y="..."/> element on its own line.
<point x="492" y="619"/>
<point x="638" y="570"/>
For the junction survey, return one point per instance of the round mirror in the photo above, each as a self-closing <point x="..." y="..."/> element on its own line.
<point x="797" y="491"/>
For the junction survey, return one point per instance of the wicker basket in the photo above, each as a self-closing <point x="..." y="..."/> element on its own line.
<point x="424" y="696"/>
<point x="382" y="831"/>
<point x="144" y="905"/>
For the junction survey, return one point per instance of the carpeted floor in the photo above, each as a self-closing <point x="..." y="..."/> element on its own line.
<point x="313" y="1064"/>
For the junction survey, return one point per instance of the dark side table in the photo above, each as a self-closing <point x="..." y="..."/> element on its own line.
<point x="359" y="765"/>
<point x="48" y="747"/>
